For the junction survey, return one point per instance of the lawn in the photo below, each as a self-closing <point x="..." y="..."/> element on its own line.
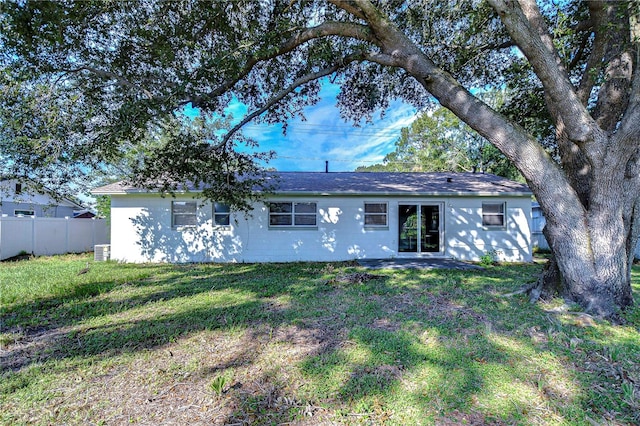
<point x="304" y="343"/>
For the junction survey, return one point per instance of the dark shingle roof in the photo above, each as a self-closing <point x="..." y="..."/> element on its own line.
<point x="369" y="183"/>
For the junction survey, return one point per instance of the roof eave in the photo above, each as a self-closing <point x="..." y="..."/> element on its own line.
<point x="347" y="193"/>
<point x="405" y="194"/>
<point x="136" y="191"/>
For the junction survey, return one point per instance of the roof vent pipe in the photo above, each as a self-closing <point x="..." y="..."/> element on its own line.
<point x="449" y="180"/>
<point x="326" y="166"/>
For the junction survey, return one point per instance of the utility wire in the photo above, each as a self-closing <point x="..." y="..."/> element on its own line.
<point x="353" y="132"/>
<point x="278" y="157"/>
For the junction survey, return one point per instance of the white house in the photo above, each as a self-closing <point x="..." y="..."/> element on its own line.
<point x="537" y="225"/>
<point x="329" y="217"/>
<point x="24" y="198"/>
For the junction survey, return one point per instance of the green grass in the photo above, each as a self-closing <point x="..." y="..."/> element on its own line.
<point x="290" y="343"/>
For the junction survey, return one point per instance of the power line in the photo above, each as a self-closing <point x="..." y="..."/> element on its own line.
<point x="286" y="157"/>
<point x="335" y="126"/>
<point x="323" y="130"/>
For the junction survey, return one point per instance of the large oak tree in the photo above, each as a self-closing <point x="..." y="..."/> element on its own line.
<point x="84" y="81"/>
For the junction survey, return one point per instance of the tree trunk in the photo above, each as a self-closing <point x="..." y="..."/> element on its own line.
<point x="549" y="284"/>
<point x="593" y="245"/>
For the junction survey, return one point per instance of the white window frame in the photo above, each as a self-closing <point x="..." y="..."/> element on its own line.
<point x="221" y="214"/>
<point x="502" y="214"/>
<point x="384" y="214"/>
<point x="294" y="214"/>
<point x="189" y="214"/>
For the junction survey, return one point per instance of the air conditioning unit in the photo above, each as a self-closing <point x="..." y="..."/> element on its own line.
<point x="101" y="252"/>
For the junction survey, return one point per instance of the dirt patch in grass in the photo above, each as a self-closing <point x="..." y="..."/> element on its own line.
<point x="429" y="307"/>
<point x="354" y="278"/>
<point x="19" y="257"/>
<point x="257" y="367"/>
<point x="29" y="345"/>
<point x="456" y="418"/>
<point x="385" y="324"/>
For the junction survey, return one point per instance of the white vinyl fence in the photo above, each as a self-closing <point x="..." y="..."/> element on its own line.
<point x="48" y="235"/>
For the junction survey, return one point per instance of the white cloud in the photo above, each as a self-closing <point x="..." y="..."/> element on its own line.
<point x="325" y="136"/>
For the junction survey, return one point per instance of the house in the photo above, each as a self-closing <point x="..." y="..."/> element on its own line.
<point x="329" y="217"/>
<point x="25" y="198"/>
<point x="537" y="225"/>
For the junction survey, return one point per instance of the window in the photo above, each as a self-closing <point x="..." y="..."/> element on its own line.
<point x="23" y="213"/>
<point x="304" y="214"/>
<point x="493" y="214"/>
<point x="183" y="213"/>
<point x="221" y="214"/>
<point x="375" y="214"/>
<point x="18" y="188"/>
<point x="292" y="214"/>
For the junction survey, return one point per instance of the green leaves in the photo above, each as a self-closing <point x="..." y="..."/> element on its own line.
<point x="438" y="141"/>
<point x="181" y="152"/>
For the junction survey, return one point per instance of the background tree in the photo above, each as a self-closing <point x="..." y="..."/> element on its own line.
<point x="103" y="74"/>
<point x="437" y="141"/>
<point x="103" y="207"/>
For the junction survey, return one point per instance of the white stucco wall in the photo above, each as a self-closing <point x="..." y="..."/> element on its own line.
<point x="142" y="232"/>
<point x="467" y="239"/>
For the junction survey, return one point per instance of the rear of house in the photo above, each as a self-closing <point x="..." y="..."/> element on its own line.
<point x="330" y="217"/>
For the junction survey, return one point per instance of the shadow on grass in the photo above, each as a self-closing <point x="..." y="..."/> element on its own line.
<point x="161" y="318"/>
<point x="444" y="343"/>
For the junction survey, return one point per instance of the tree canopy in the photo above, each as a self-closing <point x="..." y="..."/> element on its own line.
<point x="84" y="81"/>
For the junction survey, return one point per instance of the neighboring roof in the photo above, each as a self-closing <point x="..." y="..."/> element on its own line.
<point x="84" y="213"/>
<point x="370" y="183"/>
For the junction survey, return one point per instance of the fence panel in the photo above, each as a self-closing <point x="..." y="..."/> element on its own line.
<point x="50" y="236"/>
<point x="47" y="236"/>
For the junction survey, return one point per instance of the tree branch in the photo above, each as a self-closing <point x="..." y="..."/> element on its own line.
<point x="577" y="56"/>
<point x="503" y="45"/>
<point x="631" y="118"/>
<point x="350" y="7"/>
<point x="595" y="57"/>
<point x="526" y="26"/>
<point x="331" y="28"/>
<point x="520" y="147"/>
<point x="110" y="75"/>
<point x="283" y="93"/>
<point x="384" y="31"/>
<point x="383" y="59"/>
<point x="619" y="63"/>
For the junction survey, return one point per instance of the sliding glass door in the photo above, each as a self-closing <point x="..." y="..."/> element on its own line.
<point x="420" y="228"/>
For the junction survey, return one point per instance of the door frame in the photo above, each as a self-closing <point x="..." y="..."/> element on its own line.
<point x="441" y="228"/>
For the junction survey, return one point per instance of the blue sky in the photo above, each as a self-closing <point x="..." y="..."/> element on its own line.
<point x="324" y="136"/>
